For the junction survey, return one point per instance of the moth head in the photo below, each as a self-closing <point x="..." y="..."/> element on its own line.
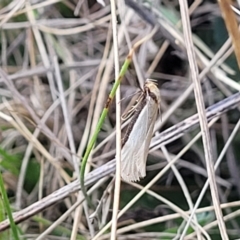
<point x="151" y="88"/>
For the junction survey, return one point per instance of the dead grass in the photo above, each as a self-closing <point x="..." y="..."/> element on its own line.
<point x="57" y="68"/>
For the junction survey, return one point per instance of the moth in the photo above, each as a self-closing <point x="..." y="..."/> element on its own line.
<point x="136" y="141"/>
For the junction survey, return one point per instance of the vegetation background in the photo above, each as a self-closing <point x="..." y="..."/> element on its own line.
<point x="57" y="68"/>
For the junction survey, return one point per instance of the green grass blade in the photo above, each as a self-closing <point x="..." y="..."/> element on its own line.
<point x="105" y="111"/>
<point x="8" y="208"/>
<point x="99" y="126"/>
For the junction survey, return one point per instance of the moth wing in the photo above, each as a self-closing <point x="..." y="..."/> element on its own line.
<point x="142" y="156"/>
<point x="130" y="150"/>
<point x="135" y="151"/>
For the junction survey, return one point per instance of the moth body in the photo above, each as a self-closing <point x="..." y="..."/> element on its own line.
<point x="138" y="136"/>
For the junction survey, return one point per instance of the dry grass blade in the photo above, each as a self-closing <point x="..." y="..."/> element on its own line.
<point x="202" y="118"/>
<point x="117" y="185"/>
<point x="58" y="60"/>
<point x="232" y="25"/>
<point x="163" y="138"/>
